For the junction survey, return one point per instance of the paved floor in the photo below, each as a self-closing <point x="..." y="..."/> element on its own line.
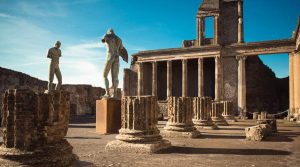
<point x="224" y="147"/>
<point x="215" y="148"/>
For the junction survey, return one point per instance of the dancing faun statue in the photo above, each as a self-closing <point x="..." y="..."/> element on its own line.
<point x="115" y="49"/>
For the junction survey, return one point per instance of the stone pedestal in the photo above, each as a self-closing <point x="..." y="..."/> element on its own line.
<point x="138" y="133"/>
<point x="228" y="111"/>
<point x="255" y="115"/>
<point x="180" y="112"/>
<point x="216" y="113"/>
<point x="202" y="108"/>
<point x="108" y="116"/>
<point x="34" y="127"/>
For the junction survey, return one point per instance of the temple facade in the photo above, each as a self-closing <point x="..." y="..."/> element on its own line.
<point x="210" y="67"/>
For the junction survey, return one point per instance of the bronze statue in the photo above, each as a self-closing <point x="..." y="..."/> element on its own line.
<point x="114" y="50"/>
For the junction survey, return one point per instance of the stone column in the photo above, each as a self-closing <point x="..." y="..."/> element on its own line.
<point x="291" y="82"/>
<point x="296" y="63"/>
<point x="240" y="22"/>
<point x="228" y="111"/>
<point x="242" y="86"/>
<point x="216" y="30"/>
<point x="138" y="133"/>
<point x="180" y="112"/>
<point x="218" y="78"/>
<point x="184" y="78"/>
<point x="154" y="78"/>
<point x="200" y="30"/>
<point x="217" y="110"/>
<point x="169" y="78"/>
<point x="201" y="109"/>
<point x="200" y="78"/>
<point x="140" y="80"/>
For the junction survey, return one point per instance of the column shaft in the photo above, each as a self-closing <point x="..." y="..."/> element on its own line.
<point x="140" y="79"/>
<point x="217" y="78"/>
<point x="169" y="78"/>
<point x="216" y="30"/>
<point x="154" y="78"/>
<point x="242" y="85"/>
<point x="184" y="78"/>
<point x="296" y="64"/>
<point x="200" y="78"/>
<point x="291" y="82"/>
<point x="240" y="22"/>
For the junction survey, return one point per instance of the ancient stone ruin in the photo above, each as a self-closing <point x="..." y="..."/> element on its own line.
<point x="34" y="127"/>
<point x="138" y="133"/>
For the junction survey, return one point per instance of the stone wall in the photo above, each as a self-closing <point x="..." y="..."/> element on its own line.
<point x="83" y="97"/>
<point x="265" y="92"/>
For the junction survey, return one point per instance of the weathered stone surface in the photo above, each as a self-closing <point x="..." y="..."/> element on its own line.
<point x="228" y="111"/>
<point x="138" y="131"/>
<point x="216" y="113"/>
<point x="258" y="132"/>
<point x="202" y="111"/>
<point x="271" y="122"/>
<point x="82" y="97"/>
<point x="35" y="124"/>
<point x="180" y="113"/>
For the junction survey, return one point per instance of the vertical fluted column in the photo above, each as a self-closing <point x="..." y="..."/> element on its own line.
<point x="201" y="110"/>
<point x="216" y="30"/>
<point x="184" y="78"/>
<point x="291" y="82"/>
<point x="140" y="79"/>
<point x="180" y="112"/>
<point x="242" y="85"/>
<point x="217" y="110"/>
<point x="218" y="79"/>
<point x="154" y="78"/>
<point x="228" y="111"/>
<point x="139" y="115"/>
<point x="240" y="22"/>
<point x="138" y="133"/>
<point x="169" y="78"/>
<point x="200" y="78"/>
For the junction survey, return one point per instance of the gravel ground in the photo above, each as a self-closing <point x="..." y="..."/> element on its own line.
<point x="215" y="148"/>
<point x="224" y="147"/>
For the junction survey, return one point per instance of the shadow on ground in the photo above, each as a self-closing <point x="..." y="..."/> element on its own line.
<point x="192" y="150"/>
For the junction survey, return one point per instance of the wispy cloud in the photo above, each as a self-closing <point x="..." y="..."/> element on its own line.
<point x="43" y="8"/>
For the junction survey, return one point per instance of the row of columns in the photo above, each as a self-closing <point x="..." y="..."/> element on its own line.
<point x="218" y="81"/>
<point x="218" y="78"/>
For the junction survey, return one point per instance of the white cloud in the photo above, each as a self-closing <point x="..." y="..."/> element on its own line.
<point x="43" y="8"/>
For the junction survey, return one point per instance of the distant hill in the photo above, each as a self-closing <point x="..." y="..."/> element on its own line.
<point x="83" y="97"/>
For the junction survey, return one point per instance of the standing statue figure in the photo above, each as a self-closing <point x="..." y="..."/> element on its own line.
<point x="54" y="54"/>
<point x="114" y="50"/>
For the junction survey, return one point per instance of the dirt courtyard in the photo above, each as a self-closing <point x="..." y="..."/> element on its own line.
<point x="215" y="148"/>
<point x="224" y="147"/>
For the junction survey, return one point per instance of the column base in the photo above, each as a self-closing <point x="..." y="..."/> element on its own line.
<point x="138" y="136"/>
<point x="219" y="121"/>
<point x="143" y="148"/>
<point x="58" y="154"/>
<point x="229" y="118"/>
<point x="175" y="130"/>
<point x="204" y="124"/>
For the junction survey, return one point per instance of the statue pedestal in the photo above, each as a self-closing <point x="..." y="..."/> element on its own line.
<point x="108" y="116"/>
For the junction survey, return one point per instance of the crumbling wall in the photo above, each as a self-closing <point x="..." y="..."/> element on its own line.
<point x="31" y="119"/>
<point x="83" y="97"/>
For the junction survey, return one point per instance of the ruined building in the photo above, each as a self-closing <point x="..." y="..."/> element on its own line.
<point x="214" y="67"/>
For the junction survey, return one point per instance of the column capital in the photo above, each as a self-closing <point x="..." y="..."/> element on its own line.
<point x="242" y="57"/>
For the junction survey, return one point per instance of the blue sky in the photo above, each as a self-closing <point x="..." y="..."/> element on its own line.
<point x="29" y="27"/>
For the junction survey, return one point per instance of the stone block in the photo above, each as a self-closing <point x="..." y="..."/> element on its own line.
<point x="258" y="132"/>
<point x="108" y="116"/>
